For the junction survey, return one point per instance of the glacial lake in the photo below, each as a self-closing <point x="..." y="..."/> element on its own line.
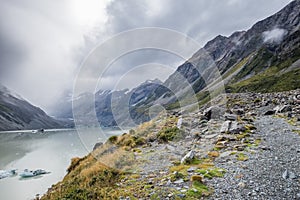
<point x="51" y="150"/>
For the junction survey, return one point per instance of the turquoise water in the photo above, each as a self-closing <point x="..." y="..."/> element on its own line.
<point x="51" y="151"/>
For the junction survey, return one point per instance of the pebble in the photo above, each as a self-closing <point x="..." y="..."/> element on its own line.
<point x="241" y="185"/>
<point x="191" y="169"/>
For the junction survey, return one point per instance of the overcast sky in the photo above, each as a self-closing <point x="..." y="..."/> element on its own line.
<point x="43" y="43"/>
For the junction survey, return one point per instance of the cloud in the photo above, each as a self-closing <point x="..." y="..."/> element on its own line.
<point x="42" y="43"/>
<point x="274" y="36"/>
<point x="200" y="20"/>
<point x="38" y="45"/>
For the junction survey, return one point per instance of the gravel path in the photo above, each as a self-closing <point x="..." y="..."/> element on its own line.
<point x="272" y="171"/>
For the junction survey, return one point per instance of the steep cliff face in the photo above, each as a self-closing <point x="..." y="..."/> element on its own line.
<point x="16" y="113"/>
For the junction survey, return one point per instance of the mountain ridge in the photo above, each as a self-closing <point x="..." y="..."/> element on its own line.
<point x="253" y="60"/>
<point x="18" y="114"/>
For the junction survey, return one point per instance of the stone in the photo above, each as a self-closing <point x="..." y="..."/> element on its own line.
<point x="283" y="109"/>
<point x="288" y="175"/>
<point x="226" y="154"/>
<point x="170" y="195"/>
<point x="230" y="117"/>
<point x="265" y="148"/>
<point x="188" y="157"/>
<point x="269" y="112"/>
<point x="240" y="147"/>
<point x="204" y="121"/>
<point x="242" y="185"/>
<point x="235" y="128"/>
<point x="214" y="112"/>
<point x="191" y="169"/>
<point x="179" y="122"/>
<point x="181" y="195"/>
<point x="179" y="181"/>
<point x="238" y="111"/>
<point x="210" y="136"/>
<point x="225" y="127"/>
<point x="227" y="137"/>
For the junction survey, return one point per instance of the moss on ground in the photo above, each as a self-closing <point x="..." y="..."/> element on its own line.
<point x="242" y="157"/>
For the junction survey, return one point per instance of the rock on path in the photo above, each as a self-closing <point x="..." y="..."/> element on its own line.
<point x="272" y="172"/>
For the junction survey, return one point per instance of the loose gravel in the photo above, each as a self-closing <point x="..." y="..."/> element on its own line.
<point x="272" y="171"/>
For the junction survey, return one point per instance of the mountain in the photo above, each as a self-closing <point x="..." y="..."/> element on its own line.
<point x="194" y="150"/>
<point x="264" y="58"/>
<point x="255" y="60"/>
<point x="16" y="114"/>
<point x="112" y="108"/>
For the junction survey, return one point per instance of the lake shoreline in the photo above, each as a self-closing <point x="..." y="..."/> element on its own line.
<point x="51" y="150"/>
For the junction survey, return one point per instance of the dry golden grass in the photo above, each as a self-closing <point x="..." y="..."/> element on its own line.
<point x="179" y="168"/>
<point x="213" y="154"/>
<point x="93" y="170"/>
<point x="205" y="165"/>
<point x="118" y="159"/>
<point x="196" y="178"/>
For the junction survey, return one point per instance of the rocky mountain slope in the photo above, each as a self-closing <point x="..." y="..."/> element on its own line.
<point x="241" y="145"/>
<point x="122" y="108"/>
<point x="16" y="114"/>
<point x="264" y="58"/>
<point x="224" y="151"/>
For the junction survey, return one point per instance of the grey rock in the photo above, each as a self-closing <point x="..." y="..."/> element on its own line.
<point x="181" y="195"/>
<point x="179" y="181"/>
<point x="214" y="112"/>
<point x="189" y="156"/>
<point x="225" y="154"/>
<point x="210" y="136"/>
<point x="191" y="169"/>
<point x="288" y="175"/>
<point x="225" y="127"/>
<point x="269" y="112"/>
<point x="234" y="127"/>
<point x="242" y="185"/>
<point x="231" y="117"/>
<point x="283" y="109"/>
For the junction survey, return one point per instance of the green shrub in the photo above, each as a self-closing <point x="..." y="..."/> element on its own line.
<point x="113" y="139"/>
<point x="168" y="134"/>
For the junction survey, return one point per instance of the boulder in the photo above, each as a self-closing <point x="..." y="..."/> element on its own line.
<point x="214" y="112"/>
<point x="188" y="157"/>
<point x="235" y="128"/>
<point x="226" y="138"/>
<point x="231" y="127"/>
<point x="230" y="117"/>
<point x="283" y="109"/>
<point x="225" y="127"/>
